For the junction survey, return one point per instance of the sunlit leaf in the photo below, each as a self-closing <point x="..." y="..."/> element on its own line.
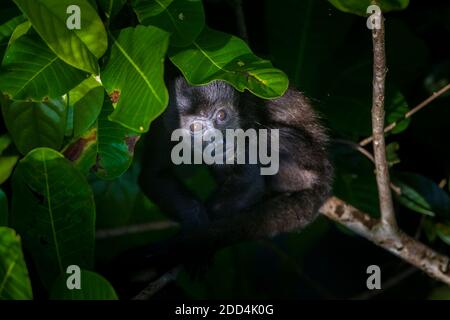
<point x="86" y="100"/>
<point x="108" y="147"/>
<point x="216" y="55"/>
<point x="78" y="47"/>
<point x="133" y="76"/>
<point x="7" y="164"/>
<point x="31" y="71"/>
<point x="19" y="31"/>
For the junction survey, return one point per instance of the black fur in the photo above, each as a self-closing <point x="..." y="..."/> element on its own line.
<point x="247" y="205"/>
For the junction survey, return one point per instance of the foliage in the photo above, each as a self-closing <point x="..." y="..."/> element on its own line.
<point x="75" y="103"/>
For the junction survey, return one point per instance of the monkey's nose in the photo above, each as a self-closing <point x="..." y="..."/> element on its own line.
<point x="196" y="127"/>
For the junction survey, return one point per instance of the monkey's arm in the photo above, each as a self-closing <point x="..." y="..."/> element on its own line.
<point x="242" y="186"/>
<point x="159" y="183"/>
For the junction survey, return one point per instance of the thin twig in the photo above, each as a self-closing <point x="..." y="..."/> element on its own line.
<point x="379" y="147"/>
<point x="411" y="112"/>
<point x="153" y="287"/>
<point x="133" y="229"/>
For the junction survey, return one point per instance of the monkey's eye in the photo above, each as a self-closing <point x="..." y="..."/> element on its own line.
<point x="196" y="127"/>
<point x="221" y="115"/>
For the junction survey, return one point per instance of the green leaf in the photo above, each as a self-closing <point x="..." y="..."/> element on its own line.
<point x="3" y="209"/>
<point x="83" y="151"/>
<point x="183" y="19"/>
<point x="86" y="100"/>
<point x="14" y="281"/>
<point x="93" y="287"/>
<point x="396" y="108"/>
<point x="443" y="232"/>
<point x="115" y="146"/>
<point x="134" y="76"/>
<point x="7" y="164"/>
<point x="53" y="209"/>
<point x="422" y="195"/>
<point x="35" y="124"/>
<point x="7" y="28"/>
<point x="79" y="48"/>
<point x="111" y="7"/>
<point x="19" y="31"/>
<point x="108" y="147"/>
<point x="359" y="7"/>
<point x="392" y="156"/>
<point x="216" y="55"/>
<point x="5" y="142"/>
<point x="31" y="71"/>
<point x="7" y="161"/>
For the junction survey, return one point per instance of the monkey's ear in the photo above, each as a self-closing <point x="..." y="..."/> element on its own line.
<point x="183" y="93"/>
<point x="181" y="84"/>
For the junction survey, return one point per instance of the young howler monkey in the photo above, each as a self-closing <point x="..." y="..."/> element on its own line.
<point x="246" y="205"/>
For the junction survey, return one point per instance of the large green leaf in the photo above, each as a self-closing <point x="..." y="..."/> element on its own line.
<point x="134" y="76"/>
<point x="14" y="281"/>
<point x="359" y="7"/>
<point x="216" y="55"/>
<point x="108" y="147"/>
<point x="79" y="48"/>
<point x="35" y="124"/>
<point x="422" y="195"/>
<point x="184" y="19"/>
<point x="86" y="100"/>
<point x="31" y="71"/>
<point x="4" y="213"/>
<point x="93" y="287"/>
<point x="53" y="209"/>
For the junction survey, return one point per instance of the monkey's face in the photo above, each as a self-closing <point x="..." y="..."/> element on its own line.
<point x="208" y="107"/>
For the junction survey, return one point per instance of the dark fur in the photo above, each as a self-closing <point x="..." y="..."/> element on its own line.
<point x="247" y="205"/>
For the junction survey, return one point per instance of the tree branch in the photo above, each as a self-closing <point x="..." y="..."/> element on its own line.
<point x="153" y="287"/>
<point x="379" y="148"/>
<point x="133" y="229"/>
<point x="395" y="241"/>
